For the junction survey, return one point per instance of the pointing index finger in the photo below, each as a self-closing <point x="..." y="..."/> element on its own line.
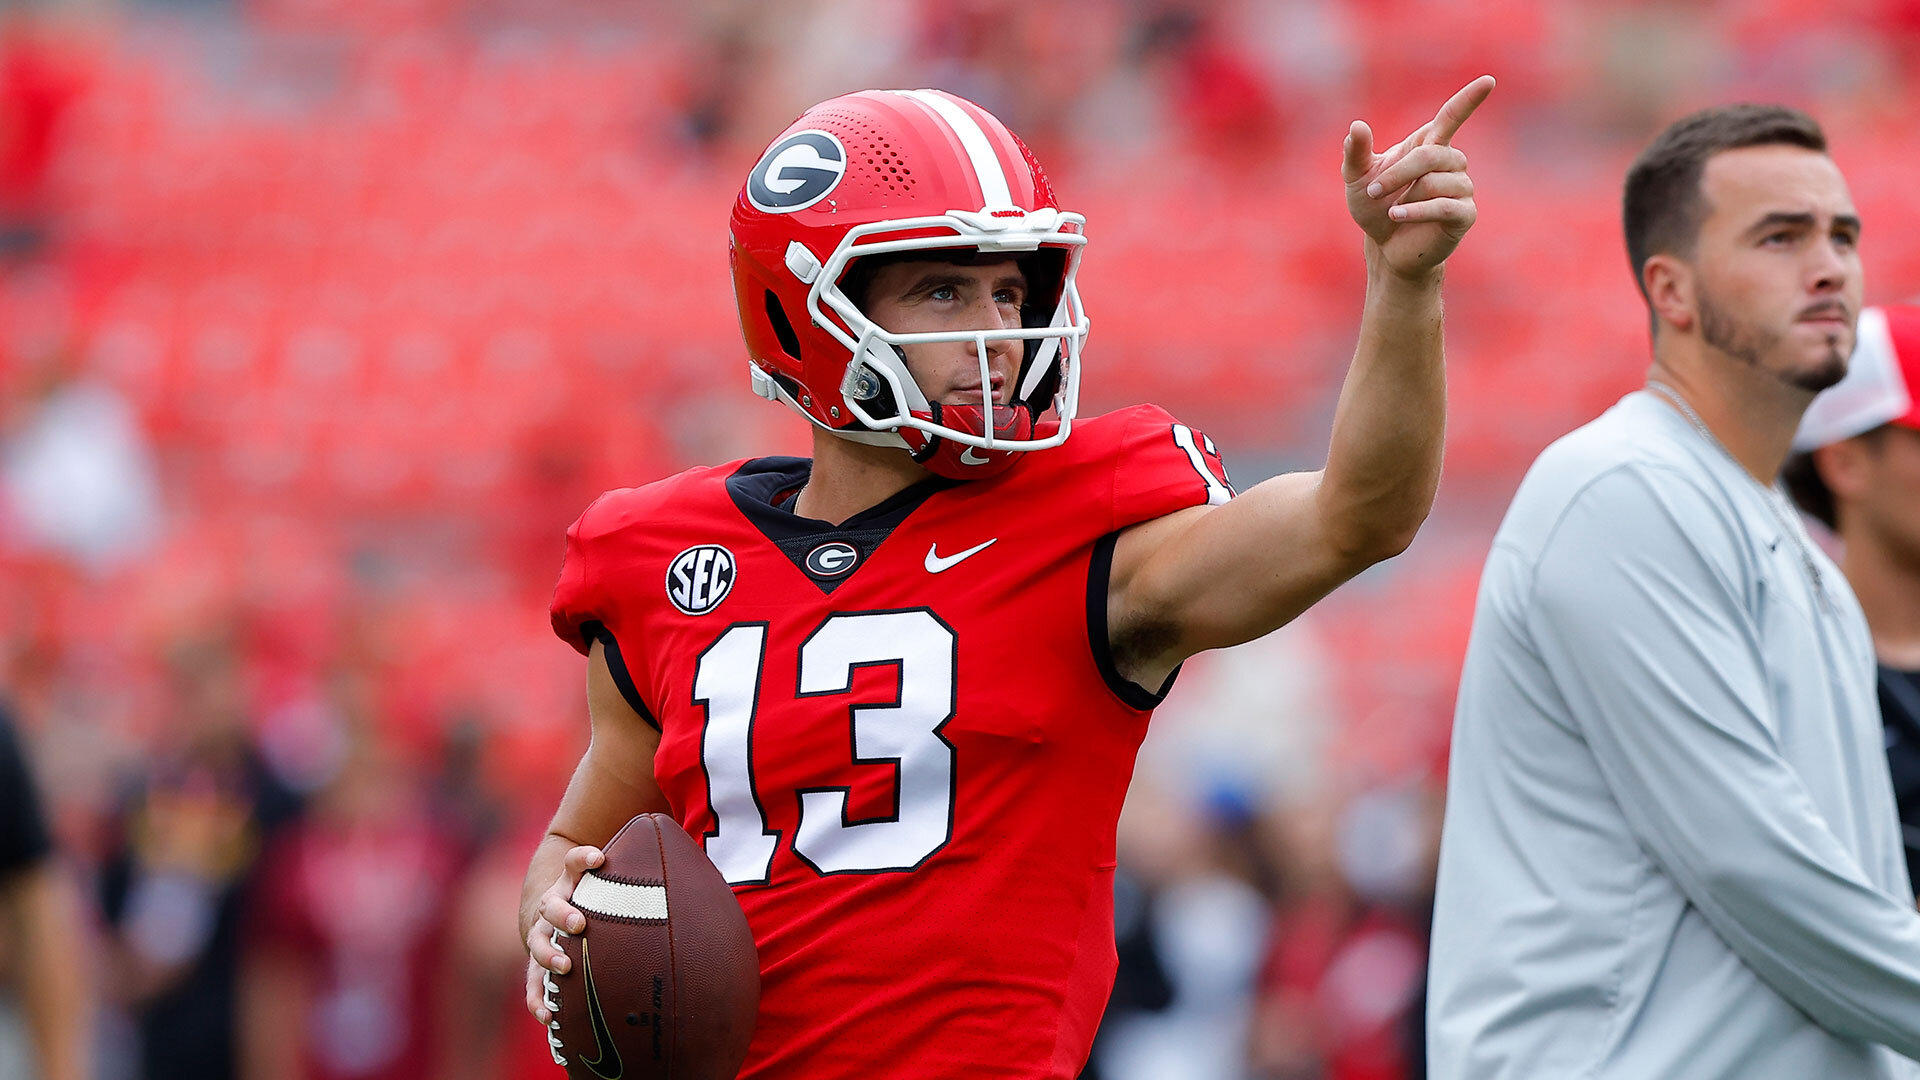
<point x="1459" y="107"/>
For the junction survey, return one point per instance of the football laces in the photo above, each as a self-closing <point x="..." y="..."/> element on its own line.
<point x="552" y="1002"/>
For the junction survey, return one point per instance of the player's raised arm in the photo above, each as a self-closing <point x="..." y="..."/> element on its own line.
<point x="1292" y="539"/>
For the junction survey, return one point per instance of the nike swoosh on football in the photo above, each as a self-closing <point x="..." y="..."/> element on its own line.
<point x="602" y="1038"/>
<point x="936" y="562"/>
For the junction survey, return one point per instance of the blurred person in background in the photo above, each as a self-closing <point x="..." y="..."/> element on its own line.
<point x="490" y="1038"/>
<point x="42" y="942"/>
<point x="954" y="357"/>
<point x="1857" y="471"/>
<point x="78" y="477"/>
<point x="38" y="87"/>
<point x="1243" y="729"/>
<point x="348" y="974"/>
<point x="1194" y="895"/>
<point x="1340" y="986"/>
<point x="1225" y="108"/>
<point x="182" y="870"/>
<point x="1670" y="845"/>
<point x="1141" y="986"/>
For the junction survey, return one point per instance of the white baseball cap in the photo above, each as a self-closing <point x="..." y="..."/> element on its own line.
<point x="1882" y="385"/>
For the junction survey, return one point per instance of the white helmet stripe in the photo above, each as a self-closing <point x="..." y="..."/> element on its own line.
<point x="986" y="164"/>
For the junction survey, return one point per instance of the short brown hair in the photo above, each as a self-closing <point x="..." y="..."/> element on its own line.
<point x="1808" y="488"/>
<point x="1663" y="206"/>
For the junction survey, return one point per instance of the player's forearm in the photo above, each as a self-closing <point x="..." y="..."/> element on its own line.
<point x="1383" y="465"/>
<point x="613" y="782"/>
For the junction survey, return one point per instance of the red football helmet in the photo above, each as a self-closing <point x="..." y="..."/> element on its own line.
<point x="878" y="173"/>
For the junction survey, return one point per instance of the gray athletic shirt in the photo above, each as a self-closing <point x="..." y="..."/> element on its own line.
<point x="1670" y="846"/>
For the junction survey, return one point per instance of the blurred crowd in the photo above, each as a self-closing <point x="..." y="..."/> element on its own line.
<point x="320" y="320"/>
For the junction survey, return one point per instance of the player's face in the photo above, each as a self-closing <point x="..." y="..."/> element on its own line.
<point x="1888" y="496"/>
<point x="1778" y="263"/>
<point x="924" y="297"/>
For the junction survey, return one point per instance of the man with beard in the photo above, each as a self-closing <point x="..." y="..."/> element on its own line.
<point x="1857" y="469"/>
<point x="1671" y="846"/>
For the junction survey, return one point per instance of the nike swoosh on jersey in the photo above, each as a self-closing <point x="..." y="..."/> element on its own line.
<point x="602" y="1038"/>
<point x="936" y="562"/>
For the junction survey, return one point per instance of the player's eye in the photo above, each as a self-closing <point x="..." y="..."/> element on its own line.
<point x="943" y="293"/>
<point x="1007" y="296"/>
<point x="1776" y="239"/>
<point x="1845" y="239"/>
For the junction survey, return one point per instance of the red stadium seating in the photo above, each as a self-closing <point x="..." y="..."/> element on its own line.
<point x="424" y="279"/>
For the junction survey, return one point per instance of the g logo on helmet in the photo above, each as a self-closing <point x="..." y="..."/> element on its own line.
<point x="699" y="578"/>
<point x="797" y="172"/>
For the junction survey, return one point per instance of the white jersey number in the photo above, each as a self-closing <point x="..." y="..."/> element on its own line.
<point x="904" y="732"/>
<point x="1217" y="491"/>
<point x="727" y="681"/>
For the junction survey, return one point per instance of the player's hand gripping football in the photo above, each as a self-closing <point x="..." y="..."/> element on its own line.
<point x="556" y="909"/>
<point x="1414" y="200"/>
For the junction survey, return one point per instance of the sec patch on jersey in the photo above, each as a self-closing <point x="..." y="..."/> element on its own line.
<point x="665" y="981"/>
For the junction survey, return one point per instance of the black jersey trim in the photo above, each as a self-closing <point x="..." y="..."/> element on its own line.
<point x="758" y="488"/>
<point x="617" y="667"/>
<point x="1099" y="585"/>
<point x="757" y="483"/>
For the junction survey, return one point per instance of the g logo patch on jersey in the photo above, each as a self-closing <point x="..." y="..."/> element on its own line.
<point x="797" y="172"/>
<point x="832" y="560"/>
<point x="699" y="578"/>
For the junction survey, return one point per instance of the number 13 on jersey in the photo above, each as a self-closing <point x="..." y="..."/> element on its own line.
<point x="904" y="732"/>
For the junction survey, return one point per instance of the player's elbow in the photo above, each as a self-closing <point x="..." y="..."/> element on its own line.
<point x="1362" y="531"/>
<point x="1369" y="539"/>
<point x="1735" y="881"/>
<point x="1395" y="539"/>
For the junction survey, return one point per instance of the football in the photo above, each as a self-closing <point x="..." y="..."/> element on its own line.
<point x="664" y="982"/>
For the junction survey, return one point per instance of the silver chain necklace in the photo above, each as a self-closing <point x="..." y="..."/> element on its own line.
<point x="1781" y="515"/>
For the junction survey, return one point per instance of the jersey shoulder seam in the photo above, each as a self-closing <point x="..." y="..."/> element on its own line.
<point x="627" y="506"/>
<point x="1634" y="467"/>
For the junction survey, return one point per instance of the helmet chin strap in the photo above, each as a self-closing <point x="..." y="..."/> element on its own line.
<point x="942" y="457"/>
<point x="959" y="461"/>
<point x="938" y="455"/>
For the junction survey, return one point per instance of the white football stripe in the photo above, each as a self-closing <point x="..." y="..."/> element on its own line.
<point x="986" y="164"/>
<point x="596" y="895"/>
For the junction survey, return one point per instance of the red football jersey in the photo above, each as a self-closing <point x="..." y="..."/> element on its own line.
<point x="901" y="738"/>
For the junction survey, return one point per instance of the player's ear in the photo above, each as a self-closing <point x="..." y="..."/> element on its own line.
<point x="1843" y="468"/>
<point x="1669" y="283"/>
